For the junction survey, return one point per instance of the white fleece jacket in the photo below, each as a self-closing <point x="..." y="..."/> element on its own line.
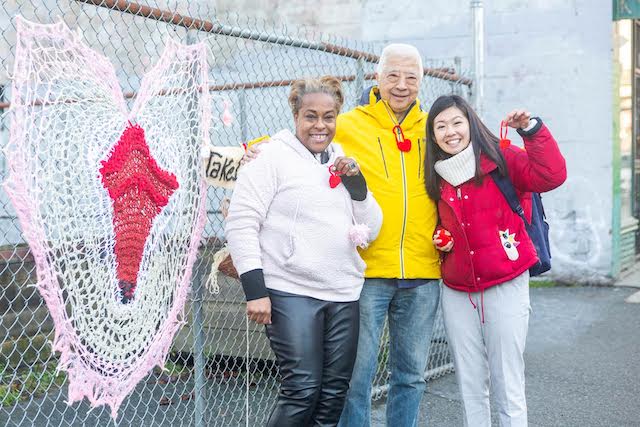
<point x="286" y="219"/>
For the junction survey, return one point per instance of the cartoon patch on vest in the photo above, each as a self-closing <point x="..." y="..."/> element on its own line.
<point x="509" y="244"/>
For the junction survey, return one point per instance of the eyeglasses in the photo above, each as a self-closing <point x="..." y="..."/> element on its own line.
<point x="410" y="79"/>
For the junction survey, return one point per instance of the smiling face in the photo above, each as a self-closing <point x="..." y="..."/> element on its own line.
<point x="399" y="82"/>
<point x="316" y="121"/>
<point x="451" y="130"/>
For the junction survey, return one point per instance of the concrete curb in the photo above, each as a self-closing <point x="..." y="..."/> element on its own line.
<point x="629" y="279"/>
<point x="633" y="298"/>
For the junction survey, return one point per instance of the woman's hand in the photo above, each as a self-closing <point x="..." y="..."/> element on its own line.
<point x="352" y="178"/>
<point x="346" y="166"/>
<point x="442" y="240"/>
<point x="518" y="119"/>
<point x="259" y="310"/>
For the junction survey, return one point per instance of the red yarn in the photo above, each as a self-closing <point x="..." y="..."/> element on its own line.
<point x="504" y="141"/>
<point x="334" y="178"/>
<point x="139" y="190"/>
<point x="403" y="143"/>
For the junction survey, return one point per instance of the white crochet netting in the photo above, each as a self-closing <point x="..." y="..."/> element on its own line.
<point x="68" y="111"/>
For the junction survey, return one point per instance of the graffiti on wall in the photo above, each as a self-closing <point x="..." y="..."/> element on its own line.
<point x="580" y="233"/>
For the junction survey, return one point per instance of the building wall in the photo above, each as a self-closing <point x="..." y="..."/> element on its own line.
<point x="552" y="57"/>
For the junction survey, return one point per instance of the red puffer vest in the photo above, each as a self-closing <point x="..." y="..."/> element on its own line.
<point x="481" y="222"/>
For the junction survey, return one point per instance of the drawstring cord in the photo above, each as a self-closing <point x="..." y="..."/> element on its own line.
<point x="293" y="225"/>
<point x="471" y="301"/>
<point x="481" y="303"/>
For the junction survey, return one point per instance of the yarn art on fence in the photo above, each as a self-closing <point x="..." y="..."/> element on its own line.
<point x="111" y="201"/>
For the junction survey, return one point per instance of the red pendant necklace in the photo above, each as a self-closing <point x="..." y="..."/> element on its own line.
<point x="404" y="144"/>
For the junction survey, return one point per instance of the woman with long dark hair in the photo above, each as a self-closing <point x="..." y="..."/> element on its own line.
<point x="486" y="251"/>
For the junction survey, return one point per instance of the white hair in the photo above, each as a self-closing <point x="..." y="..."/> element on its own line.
<point x="399" y="49"/>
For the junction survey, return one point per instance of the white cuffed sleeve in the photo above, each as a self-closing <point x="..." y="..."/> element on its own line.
<point x="255" y="188"/>
<point x="368" y="212"/>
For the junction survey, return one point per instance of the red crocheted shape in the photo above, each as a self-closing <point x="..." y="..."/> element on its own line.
<point x="139" y="190"/>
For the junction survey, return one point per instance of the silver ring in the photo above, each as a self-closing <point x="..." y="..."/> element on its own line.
<point x="352" y="165"/>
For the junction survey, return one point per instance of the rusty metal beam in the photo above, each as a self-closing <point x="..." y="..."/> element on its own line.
<point x="191" y="23"/>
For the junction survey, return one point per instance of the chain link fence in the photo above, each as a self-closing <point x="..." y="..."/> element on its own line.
<point x="220" y="371"/>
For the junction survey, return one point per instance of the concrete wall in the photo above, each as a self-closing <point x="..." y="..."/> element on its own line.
<point x="552" y="57"/>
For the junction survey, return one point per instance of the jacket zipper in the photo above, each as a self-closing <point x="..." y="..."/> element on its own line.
<point x="464" y="232"/>
<point x="404" y="214"/>
<point x="404" y="195"/>
<point x="419" y="158"/>
<point x="384" y="162"/>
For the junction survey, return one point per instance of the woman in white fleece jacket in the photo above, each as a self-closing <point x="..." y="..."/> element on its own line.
<point x="293" y="230"/>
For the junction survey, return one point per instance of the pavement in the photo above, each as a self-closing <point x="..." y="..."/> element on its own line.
<point x="583" y="369"/>
<point x="582" y="363"/>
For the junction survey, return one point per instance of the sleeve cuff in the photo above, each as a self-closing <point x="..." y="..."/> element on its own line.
<point x="253" y="284"/>
<point x="356" y="186"/>
<point x="246" y="263"/>
<point x="361" y="207"/>
<point x="534" y="126"/>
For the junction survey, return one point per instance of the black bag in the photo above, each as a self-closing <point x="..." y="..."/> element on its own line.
<point x="538" y="229"/>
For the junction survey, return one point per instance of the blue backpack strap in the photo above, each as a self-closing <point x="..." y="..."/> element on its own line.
<point x="364" y="98"/>
<point x="509" y="192"/>
<point x="537" y="229"/>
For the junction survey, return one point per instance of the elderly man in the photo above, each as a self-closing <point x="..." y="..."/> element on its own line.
<point x="386" y="134"/>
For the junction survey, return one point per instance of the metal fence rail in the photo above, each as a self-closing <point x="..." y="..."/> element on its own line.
<point x="208" y="379"/>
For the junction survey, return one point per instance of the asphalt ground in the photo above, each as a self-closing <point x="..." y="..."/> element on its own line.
<point x="582" y="363"/>
<point x="582" y="358"/>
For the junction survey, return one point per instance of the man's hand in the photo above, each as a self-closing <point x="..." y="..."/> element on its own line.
<point x="252" y="152"/>
<point x="518" y="119"/>
<point x="259" y="310"/>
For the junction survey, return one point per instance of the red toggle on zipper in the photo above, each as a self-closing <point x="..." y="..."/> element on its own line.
<point x="403" y="143"/>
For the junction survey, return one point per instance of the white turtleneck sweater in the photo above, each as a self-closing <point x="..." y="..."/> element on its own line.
<point x="459" y="168"/>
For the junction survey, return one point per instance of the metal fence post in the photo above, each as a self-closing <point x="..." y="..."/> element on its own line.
<point x="359" y="76"/>
<point x="198" y="348"/>
<point x="242" y="100"/>
<point x="199" y="392"/>
<point x="457" y="66"/>
<point x="477" y="17"/>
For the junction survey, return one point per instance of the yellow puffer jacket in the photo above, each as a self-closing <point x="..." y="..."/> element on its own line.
<point x="403" y="248"/>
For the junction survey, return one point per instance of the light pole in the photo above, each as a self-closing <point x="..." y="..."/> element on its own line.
<point x="477" y="19"/>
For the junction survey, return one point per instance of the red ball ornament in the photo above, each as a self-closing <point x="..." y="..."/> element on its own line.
<point x="443" y="237"/>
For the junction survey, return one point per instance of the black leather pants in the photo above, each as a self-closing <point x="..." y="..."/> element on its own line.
<point x="315" y="343"/>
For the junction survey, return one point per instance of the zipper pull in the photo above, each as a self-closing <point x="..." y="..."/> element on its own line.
<point x="459" y="193"/>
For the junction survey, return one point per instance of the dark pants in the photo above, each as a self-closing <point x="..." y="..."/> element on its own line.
<point x="315" y="343"/>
